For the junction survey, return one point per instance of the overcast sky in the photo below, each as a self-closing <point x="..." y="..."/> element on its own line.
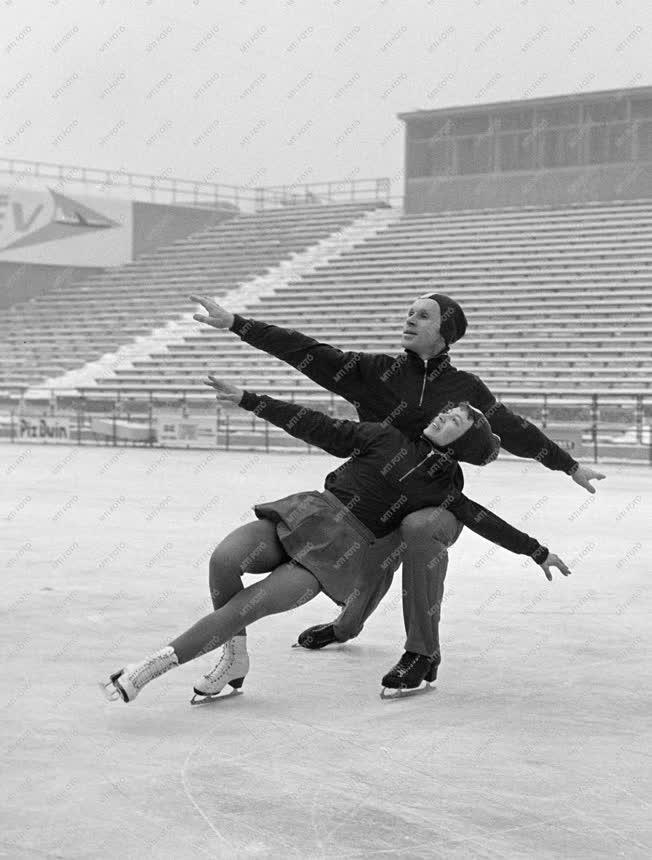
<point x="262" y="92"/>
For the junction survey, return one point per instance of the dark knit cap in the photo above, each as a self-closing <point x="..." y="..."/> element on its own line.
<point x="479" y="445"/>
<point x="453" y="321"/>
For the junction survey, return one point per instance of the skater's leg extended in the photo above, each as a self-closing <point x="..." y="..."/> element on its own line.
<point x="288" y="586"/>
<point x="427" y="535"/>
<point x="252" y="548"/>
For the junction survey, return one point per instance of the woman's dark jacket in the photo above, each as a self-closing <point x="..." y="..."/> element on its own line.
<point x="388" y="475"/>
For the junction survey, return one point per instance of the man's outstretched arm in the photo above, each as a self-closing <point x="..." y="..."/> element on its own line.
<point x="522" y="438"/>
<point x="336" y="370"/>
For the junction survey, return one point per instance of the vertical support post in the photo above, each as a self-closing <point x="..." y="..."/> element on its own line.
<point x="595" y="415"/>
<point x="81" y="414"/>
<point x="638" y="412"/>
<point x="649" y="442"/>
<point x="150" y="418"/>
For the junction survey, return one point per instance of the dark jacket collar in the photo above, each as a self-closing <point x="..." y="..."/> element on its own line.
<point x="427" y="444"/>
<point x="440" y="360"/>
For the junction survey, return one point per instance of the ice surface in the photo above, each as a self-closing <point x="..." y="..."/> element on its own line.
<point x="532" y="745"/>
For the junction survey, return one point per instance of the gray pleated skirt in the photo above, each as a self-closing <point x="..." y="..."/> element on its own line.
<point x="320" y="533"/>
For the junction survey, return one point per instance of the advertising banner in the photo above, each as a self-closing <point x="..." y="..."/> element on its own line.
<point x="568" y="438"/>
<point x="173" y="430"/>
<point x="49" y="227"/>
<point x="47" y="429"/>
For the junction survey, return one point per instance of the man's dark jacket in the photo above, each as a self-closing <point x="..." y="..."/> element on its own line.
<point x="402" y="390"/>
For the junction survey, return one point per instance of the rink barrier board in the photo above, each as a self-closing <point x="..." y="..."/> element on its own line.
<point x="180" y="429"/>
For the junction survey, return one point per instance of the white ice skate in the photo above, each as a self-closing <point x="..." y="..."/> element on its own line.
<point x="129" y="681"/>
<point x="231" y="669"/>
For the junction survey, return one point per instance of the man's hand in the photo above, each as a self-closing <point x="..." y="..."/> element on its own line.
<point x="584" y="474"/>
<point x="553" y="561"/>
<point x="225" y="391"/>
<point x="217" y="316"/>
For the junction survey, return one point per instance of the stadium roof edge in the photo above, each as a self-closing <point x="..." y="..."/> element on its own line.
<point x="541" y="100"/>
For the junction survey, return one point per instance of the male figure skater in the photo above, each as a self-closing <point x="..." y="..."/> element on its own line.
<point x="405" y="390"/>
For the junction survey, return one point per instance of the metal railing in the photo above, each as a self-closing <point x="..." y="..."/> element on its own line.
<point x="594" y="427"/>
<point x="163" y="188"/>
<point x="344" y="191"/>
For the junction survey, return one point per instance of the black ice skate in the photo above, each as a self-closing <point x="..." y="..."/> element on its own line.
<point x="316" y="637"/>
<point x="406" y="677"/>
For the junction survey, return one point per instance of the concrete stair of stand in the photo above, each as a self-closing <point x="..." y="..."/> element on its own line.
<point x="246" y="295"/>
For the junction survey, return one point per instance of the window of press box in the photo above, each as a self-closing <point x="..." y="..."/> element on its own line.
<point x="470" y="124"/>
<point x="642" y="109"/>
<point x="607" y="111"/>
<point x="424" y="129"/>
<point x="554" y="117"/>
<point x="521" y="120"/>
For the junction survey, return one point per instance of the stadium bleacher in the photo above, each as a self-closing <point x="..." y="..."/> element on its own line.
<point x="555" y="297"/>
<point x="71" y="325"/>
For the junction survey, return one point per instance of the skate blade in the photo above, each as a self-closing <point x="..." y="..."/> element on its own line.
<point x="320" y="648"/>
<point x="389" y="694"/>
<point x="199" y="699"/>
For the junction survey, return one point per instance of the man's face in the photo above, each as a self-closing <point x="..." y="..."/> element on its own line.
<point x="421" y="329"/>
<point x="448" y="426"/>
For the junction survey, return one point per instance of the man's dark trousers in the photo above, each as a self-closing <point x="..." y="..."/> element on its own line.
<point x="421" y="545"/>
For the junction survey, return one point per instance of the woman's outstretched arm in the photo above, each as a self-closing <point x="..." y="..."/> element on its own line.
<point x="498" y="531"/>
<point x="338" y="437"/>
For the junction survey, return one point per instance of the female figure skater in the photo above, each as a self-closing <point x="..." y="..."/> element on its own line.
<point x="315" y="541"/>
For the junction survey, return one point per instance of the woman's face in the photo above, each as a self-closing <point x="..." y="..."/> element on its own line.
<point x="448" y="426"/>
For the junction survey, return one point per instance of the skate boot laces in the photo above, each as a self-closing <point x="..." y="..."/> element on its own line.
<point x="231" y="669"/>
<point x="224" y="665"/>
<point x="149" y="669"/>
<point x="407" y="662"/>
<point x="129" y="681"/>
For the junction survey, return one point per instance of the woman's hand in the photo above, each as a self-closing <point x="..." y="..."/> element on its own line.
<point x="553" y="561"/>
<point x="225" y="391"/>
